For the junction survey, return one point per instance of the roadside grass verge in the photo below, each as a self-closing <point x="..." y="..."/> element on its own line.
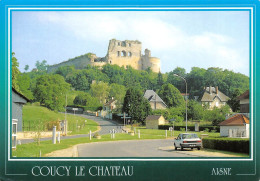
<point x="33" y="150"/>
<point x="143" y="130"/>
<point x="32" y="115"/>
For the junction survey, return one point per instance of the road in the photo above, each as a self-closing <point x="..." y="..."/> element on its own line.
<point x="133" y="148"/>
<point x="106" y="126"/>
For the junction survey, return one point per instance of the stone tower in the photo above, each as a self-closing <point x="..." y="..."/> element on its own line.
<point x="129" y="52"/>
<point x="124" y="53"/>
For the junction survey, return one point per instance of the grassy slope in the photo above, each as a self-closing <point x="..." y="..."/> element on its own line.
<point x="33" y="114"/>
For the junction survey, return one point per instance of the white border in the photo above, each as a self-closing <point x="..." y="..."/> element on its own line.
<point x="135" y="159"/>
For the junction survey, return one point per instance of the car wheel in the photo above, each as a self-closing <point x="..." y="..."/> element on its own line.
<point x="181" y="148"/>
<point x="191" y="148"/>
<point x="175" y="147"/>
<point x="198" y="148"/>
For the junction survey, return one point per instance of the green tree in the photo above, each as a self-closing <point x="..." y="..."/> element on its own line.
<point x="217" y="115"/>
<point x="65" y="70"/>
<point x="118" y="93"/>
<point x="136" y="105"/>
<point x="88" y="101"/>
<point x="100" y="90"/>
<point x="195" y="110"/>
<point x="41" y="66"/>
<point x="15" y="72"/>
<point x="24" y="83"/>
<point x="50" y="91"/>
<point x="160" y="81"/>
<point x="26" y="68"/>
<point x="171" y="95"/>
<point x="233" y="102"/>
<point x="177" y="81"/>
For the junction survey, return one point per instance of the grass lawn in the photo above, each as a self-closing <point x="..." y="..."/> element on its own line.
<point x="143" y="130"/>
<point x="32" y="115"/>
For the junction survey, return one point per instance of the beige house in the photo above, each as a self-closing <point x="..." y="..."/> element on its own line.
<point x="153" y="121"/>
<point x="212" y="97"/>
<point x="155" y="101"/>
<point x="107" y="109"/>
<point x="235" y="126"/>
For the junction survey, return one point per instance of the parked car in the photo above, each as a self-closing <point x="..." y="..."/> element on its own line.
<point x="187" y="140"/>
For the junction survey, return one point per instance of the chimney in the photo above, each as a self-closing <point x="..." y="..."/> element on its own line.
<point x="216" y="89"/>
<point x="210" y="90"/>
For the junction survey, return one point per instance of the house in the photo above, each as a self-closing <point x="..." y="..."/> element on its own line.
<point x="18" y="100"/>
<point x="235" y="126"/>
<point x="213" y="97"/>
<point x="108" y="107"/>
<point x="153" y="121"/>
<point x="155" y="101"/>
<point x="244" y="102"/>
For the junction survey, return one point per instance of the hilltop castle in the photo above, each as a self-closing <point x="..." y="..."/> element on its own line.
<point x="120" y="53"/>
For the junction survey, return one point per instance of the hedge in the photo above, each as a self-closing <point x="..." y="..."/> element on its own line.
<point x="227" y="144"/>
<point x="191" y="128"/>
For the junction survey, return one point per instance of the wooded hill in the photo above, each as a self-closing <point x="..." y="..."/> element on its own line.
<point x="49" y="88"/>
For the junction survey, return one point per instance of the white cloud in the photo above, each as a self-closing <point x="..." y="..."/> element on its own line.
<point x="163" y="38"/>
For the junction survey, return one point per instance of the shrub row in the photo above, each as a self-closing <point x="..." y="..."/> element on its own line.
<point x="191" y="128"/>
<point x="227" y="144"/>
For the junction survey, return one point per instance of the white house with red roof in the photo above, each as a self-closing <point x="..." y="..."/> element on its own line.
<point x="235" y="126"/>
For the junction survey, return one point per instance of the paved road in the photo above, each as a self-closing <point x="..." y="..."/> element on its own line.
<point x="135" y="148"/>
<point x="105" y="125"/>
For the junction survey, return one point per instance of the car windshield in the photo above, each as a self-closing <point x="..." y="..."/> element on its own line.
<point x="189" y="136"/>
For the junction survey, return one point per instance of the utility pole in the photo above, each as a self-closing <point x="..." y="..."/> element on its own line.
<point x="66" y="125"/>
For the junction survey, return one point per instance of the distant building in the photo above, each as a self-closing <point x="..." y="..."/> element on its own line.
<point x="108" y="108"/>
<point x="235" y="126"/>
<point x="212" y="97"/>
<point x="153" y="121"/>
<point x="155" y="101"/>
<point x="18" y="100"/>
<point x="244" y="102"/>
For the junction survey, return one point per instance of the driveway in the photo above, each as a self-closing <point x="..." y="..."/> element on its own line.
<point x="133" y="148"/>
<point x="106" y="126"/>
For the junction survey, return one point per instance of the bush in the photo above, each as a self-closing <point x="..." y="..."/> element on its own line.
<point x="191" y="128"/>
<point x="206" y="130"/>
<point x="227" y="144"/>
<point x="50" y="125"/>
<point x="182" y="129"/>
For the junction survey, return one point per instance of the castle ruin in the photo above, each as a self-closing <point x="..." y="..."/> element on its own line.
<point x="121" y="53"/>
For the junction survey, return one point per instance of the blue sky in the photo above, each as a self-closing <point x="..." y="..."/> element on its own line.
<point x="179" y="38"/>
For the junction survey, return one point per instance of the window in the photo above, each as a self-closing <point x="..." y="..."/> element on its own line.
<point x="129" y="54"/>
<point x="123" y="54"/>
<point x="118" y="43"/>
<point x="130" y="45"/>
<point x="118" y="53"/>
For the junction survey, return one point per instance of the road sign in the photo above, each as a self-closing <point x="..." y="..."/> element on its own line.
<point x="126" y="117"/>
<point x="122" y="114"/>
<point x="75" y="109"/>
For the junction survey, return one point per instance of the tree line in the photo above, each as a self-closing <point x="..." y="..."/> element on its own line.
<point x="92" y="86"/>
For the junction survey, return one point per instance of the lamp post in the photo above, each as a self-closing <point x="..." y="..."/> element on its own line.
<point x="185" y="96"/>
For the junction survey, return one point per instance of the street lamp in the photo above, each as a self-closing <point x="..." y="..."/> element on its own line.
<point x="185" y="96"/>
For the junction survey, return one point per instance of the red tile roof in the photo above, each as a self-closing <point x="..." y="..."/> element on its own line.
<point x="236" y="120"/>
<point x="245" y="95"/>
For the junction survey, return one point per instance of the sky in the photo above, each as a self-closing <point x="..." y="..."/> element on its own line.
<point x="179" y="38"/>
